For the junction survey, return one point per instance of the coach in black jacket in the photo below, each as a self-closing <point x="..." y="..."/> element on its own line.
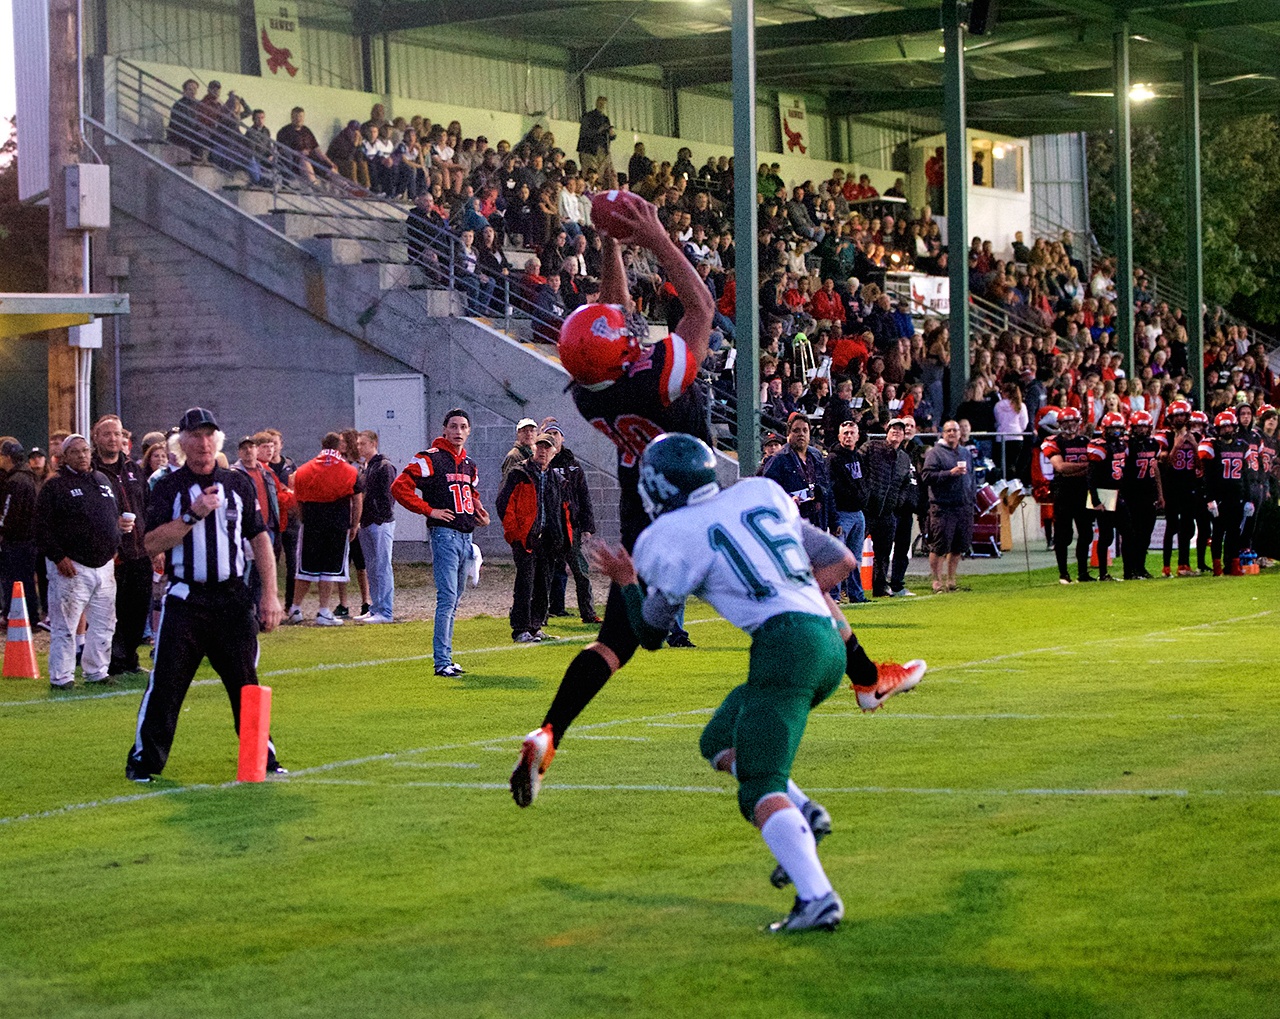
<point x="582" y="518"/>
<point x="17" y="536"/>
<point x="889" y="470"/>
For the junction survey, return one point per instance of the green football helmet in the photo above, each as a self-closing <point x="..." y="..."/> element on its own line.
<point x="676" y="470"/>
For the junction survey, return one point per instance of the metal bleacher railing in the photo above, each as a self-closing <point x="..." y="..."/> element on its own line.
<point x="337" y="207"/>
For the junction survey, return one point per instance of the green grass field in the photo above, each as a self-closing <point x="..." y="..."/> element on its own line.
<point x="1077" y="814"/>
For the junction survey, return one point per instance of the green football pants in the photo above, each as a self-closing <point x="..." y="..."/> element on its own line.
<point x="797" y="661"/>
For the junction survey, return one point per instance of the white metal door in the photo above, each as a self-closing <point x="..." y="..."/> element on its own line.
<point x="394" y="406"/>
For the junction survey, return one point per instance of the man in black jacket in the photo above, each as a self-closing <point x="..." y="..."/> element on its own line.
<point x="849" y="490"/>
<point x="377" y="529"/>
<point x="892" y="492"/>
<point x="532" y="507"/>
<point x="78" y="526"/>
<point x="133" y="565"/>
<point x="17" y="538"/>
<point x="582" y="519"/>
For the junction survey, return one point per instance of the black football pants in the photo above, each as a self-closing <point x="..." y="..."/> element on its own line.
<point x="1142" y="521"/>
<point x="133" y="604"/>
<point x="1226" y="532"/>
<point x="1179" y="521"/>
<point x="1072" y="510"/>
<point x="222" y="628"/>
<point x="1111" y="525"/>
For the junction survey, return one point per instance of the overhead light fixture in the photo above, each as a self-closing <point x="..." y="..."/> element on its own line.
<point x="1140" y="93"/>
<point x="998" y="152"/>
<point x="942" y="49"/>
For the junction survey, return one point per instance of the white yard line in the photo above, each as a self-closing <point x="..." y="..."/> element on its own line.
<point x="825" y="790"/>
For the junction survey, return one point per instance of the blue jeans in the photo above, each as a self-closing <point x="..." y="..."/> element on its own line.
<point x="375" y="541"/>
<point x="854" y="528"/>
<point x="450" y="551"/>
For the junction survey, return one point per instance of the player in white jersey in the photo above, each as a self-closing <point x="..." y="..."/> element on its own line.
<point x="747" y="552"/>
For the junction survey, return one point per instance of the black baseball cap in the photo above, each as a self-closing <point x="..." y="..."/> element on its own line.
<point x="248" y="440"/>
<point x="195" y="418"/>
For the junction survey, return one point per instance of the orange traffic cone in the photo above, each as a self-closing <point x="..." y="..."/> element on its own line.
<point x="19" y="651"/>
<point x="868" y="564"/>
<point x="1093" y="554"/>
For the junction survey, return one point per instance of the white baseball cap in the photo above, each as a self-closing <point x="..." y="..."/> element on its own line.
<point x="526" y="423"/>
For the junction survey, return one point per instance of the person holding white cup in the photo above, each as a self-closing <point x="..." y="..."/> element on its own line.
<point x="77" y="528"/>
<point x="952" y="494"/>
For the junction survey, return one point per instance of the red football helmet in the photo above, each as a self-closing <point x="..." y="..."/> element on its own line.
<point x="1141" y="419"/>
<point x="1199" y="420"/>
<point x="597" y="344"/>
<point x="1068" y="414"/>
<point x="1225" y="419"/>
<point x="1112" y="420"/>
<point x="1178" y="407"/>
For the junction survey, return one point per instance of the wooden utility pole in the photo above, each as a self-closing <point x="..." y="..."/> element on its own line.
<point x="65" y="272"/>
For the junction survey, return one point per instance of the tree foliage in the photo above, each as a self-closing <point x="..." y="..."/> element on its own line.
<point x="24" y="229"/>
<point x="1240" y="185"/>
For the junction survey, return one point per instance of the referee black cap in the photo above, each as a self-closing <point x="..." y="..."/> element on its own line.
<point x="195" y="418"/>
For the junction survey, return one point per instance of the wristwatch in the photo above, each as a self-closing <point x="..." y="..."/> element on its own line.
<point x="190" y="519"/>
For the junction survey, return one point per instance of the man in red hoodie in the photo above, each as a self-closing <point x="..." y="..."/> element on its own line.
<point x="331" y="494"/>
<point x="440" y="483"/>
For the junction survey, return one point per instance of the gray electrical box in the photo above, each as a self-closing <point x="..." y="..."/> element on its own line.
<point x="86" y="337"/>
<point x="88" y="196"/>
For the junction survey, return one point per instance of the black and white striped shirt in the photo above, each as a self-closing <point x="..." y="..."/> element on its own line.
<point x="213" y="550"/>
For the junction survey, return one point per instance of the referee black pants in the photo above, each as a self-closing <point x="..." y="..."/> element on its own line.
<point x="221" y="626"/>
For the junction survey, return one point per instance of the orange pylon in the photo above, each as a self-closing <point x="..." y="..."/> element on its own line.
<point x="19" y="651"/>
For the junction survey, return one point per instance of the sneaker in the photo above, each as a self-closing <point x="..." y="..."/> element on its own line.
<point x="107" y="680"/>
<point x="1166" y="572"/>
<point x="277" y="769"/>
<point x="294" y="616"/>
<point x="342" y="612"/>
<point x="65" y="684"/>
<point x="536" y="753"/>
<point x="374" y="618"/>
<point x="1144" y="575"/>
<point x="891" y="678"/>
<point x="1086" y="578"/>
<point x="362" y="618"/>
<point x="450" y="671"/>
<point x="525" y="637"/>
<point x="820" y="824"/>
<point x="364" y="608"/>
<point x="44" y="625"/>
<point x="135" y="775"/>
<point x="561" y="614"/>
<point x="326" y="618"/>
<point x="1186" y="571"/>
<point x="814" y="914"/>
<point x="680" y="640"/>
<point x="541" y="635"/>
<point x="1110" y="578"/>
<point x="1217" y="567"/>
<point x="593" y="619"/>
<point x="902" y="593"/>
<point x="1064" y="580"/>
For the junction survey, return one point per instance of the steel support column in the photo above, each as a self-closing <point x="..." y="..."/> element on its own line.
<point x="1195" y="219"/>
<point x="957" y="185"/>
<point x="1124" y="199"/>
<point x="747" y="307"/>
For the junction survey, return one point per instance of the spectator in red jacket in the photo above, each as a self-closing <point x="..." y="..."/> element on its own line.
<point x="826" y="306"/>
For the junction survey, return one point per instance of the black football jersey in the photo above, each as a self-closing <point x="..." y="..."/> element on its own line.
<point x="660" y="392"/>
<point x="1181" y="466"/>
<point x="1140" y="466"/>
<point x="1073" y="449"/>
<point x="1107" y="458"/>
<point x="1226" y="468"/>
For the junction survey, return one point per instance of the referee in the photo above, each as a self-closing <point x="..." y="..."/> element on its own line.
<point x="200" y="516"/>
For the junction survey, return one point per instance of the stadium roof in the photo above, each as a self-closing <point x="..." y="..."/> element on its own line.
<point x="1045" y="66"/>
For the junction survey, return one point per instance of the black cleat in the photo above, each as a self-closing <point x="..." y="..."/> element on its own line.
<point x="680" y="640"/>
<point x="822" y="914"/>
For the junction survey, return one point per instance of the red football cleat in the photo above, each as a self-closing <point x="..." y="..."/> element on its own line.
<point x="891" y="678"/>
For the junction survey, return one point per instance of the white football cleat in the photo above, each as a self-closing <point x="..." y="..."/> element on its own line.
<point x="822" y="914"/>
<point x="891" y="678"/>
<point x="536" y="753"/>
